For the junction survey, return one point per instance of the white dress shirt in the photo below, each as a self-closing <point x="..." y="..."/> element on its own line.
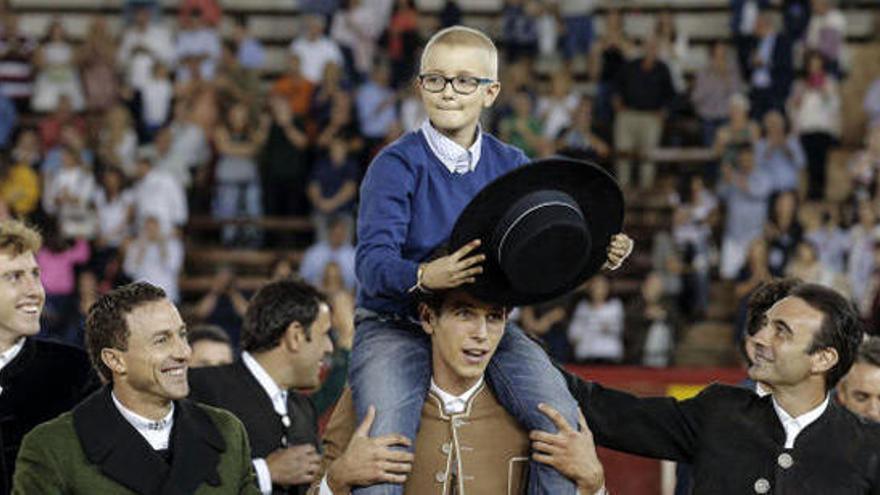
<point x="156" y="433"/>
<point x="794" y="426"/>
<point x="279" y="403"/>
<point x="8" y="355"/>
<point x="451" y="154"/>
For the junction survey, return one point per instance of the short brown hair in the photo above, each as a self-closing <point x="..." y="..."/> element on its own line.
<point x="17" y="238"/>
<point x="106" y="326"/>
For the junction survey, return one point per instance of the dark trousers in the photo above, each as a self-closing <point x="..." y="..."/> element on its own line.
<point x="816" y="146"/>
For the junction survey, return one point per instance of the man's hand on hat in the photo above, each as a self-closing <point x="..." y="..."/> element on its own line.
<point x="619" y="249"/>
<point x="453" y="270"/>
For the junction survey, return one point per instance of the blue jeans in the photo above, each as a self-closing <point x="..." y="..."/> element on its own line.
<point x="578" y="35"/>
<point x="391" y="370"/>
<point x="238" y="199"/>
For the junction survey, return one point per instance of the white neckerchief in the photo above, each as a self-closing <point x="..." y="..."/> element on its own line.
<point x="275" y="393"/>
<point x="9" y="354"/>
<point x="452" y="155"/>
<point x="454" y="404"/>
<point x="156" y="433"/>
<point x="794" y="426"/>
<point x="760" y="390"/>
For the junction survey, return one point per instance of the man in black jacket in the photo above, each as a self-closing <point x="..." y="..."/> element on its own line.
<point x="38" y="380"/>
<point x="285" y="339"/>
<point x="795" y="441"/>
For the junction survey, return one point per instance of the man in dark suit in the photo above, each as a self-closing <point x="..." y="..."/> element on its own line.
<point x="138" y="433"/>
<point x="794" y="441"/>
<point x="285" y="339"/>
<point x="38" y="380"/>
<point x="771" y="69"/>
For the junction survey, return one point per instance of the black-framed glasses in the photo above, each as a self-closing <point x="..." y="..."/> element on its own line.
<point x="463" y="85"/>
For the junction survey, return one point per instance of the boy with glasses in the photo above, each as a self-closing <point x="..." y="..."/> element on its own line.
<point x="411" y="196"/>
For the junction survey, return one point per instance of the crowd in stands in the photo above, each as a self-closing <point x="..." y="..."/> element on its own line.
<point x="111" y="143"/>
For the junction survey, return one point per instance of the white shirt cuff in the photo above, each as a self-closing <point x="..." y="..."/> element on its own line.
<point x="325" y="488"/>
<point x="264" y="478"/>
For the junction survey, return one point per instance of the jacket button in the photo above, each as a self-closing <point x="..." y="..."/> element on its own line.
<point x="457" y="422"/>
<point x="785" y="461"/>
<point x="440" y="477"/>
<point x="762" y="486"/>
<point x="446" y="448"/>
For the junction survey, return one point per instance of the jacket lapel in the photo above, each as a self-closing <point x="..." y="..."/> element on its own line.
<point x="110" y="442"/>
<point x="20" y="363"/>
<point x="197" y="445"/>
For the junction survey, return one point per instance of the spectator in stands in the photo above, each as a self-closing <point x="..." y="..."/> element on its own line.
<point x="743" y="21"/>
<point x="210" y="346"/>
<point x="607" y="58"/>
<point x="744" y="189"/>
<point x="337" y="248"/>
<point x="8" y="121"/>
<point x="181" y="148"/>
<point x="871" y="104"/>
<point x="739" y="131"/>
<point x="815" y="111"/>
<point x="555" y="107"/>
<point x="238" y="188"/>
<point x="863" y="237"/>
<point x="155" y="256"/>
<point x="236" y="82"/>
<point x="806" y="266"/>
<point x="333" y="90"/>
<point x="315" y="49"/>
<point x="580" y="139"/>
<point x="578" y="31"/>
<point x="224" y="304"/>
<point x="72" y="139"/>
<point x="403" y="43"/>
<point x="51" y="126"/>
<point x="864" y="166"/>
<point x="16" y="67"/>
<point x="144" y="43"/>
<point x="58" y="259"/>
<point x="547" y="323"/>
<point x="97" y="65"/>
<point x="796" y="17"/>
<point x="117" y="140"/>
<point x="780" y="153"/>
<point x="714" y="87"/>
<point x="207" y="11"/>
<point x="672" y="48"/>
<point x="783" y="230"/>
<point x="250" y="52"/>
<point x="55" y="62"/>
<point x="771" y="67"/>
<point x="19" y="187"/>
<point x="695" y="208"/>
<point x="357" y="28"/>
<point x="826" y="33"/>
<point x="295" y="88"/>
<point x="27" y="148"/>
<point x="157" y="194"/>
<point x="157" y="93"/>
<point x="596" y="327"/>
<point x="831" y="241"/>
<point x="197" y="39"/>
<point x="643" y="89"/>
<point x="114" y="203"/>
<point x="547" y="25"/>
<point x="332" y="186"/>
<point x="859" y="389"/>
<point x="284" y="162"/>
<point x="281" y="267"/>
<point x="652" y="324"/>
<point x="376" y="104"/>
<point x="522" y="129"/>
<point x="69" y="195"/>
<point x="754" y="273"/>
<point x="519" y="33"/>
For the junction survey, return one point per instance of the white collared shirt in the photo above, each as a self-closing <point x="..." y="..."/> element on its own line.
<point x="8" y="355"/>
<point x="794" y="426"/>
<point x="452" y="155"/>
<point x="454" y="404"/>
<point x="156" y="433"/>
<point x="279" y="403"/>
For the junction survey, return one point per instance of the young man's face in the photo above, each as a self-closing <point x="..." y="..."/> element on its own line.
<point x="464" y="337"/>
<point x="154" y="368"/>
<point x="778" y="350"/>
<point x="21" y="296"/>
<point x="310" y="353"/>
<point x="451" y="112"/>
<point x="859" y="391"/>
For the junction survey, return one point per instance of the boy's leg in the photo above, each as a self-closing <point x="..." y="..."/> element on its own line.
<point x="391" y="370"/>
<point x="522" y="376"/>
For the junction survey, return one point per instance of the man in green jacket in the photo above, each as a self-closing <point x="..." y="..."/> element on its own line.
<point x="138" y="434"/>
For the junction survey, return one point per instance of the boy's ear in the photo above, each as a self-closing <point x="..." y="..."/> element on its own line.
<point x="492" y="91"/>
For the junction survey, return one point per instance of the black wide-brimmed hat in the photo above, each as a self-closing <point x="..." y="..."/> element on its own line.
<point x="545" y="228"/>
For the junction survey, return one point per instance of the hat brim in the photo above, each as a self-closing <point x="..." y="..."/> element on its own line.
<point x="594" y="190"/>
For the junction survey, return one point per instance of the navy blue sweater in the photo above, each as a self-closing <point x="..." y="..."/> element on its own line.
<point x="409" y="203"/>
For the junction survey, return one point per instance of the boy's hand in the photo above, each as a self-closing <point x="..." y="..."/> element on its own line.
<point x="620" y="248"/>
<point x="454" y="270"/>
